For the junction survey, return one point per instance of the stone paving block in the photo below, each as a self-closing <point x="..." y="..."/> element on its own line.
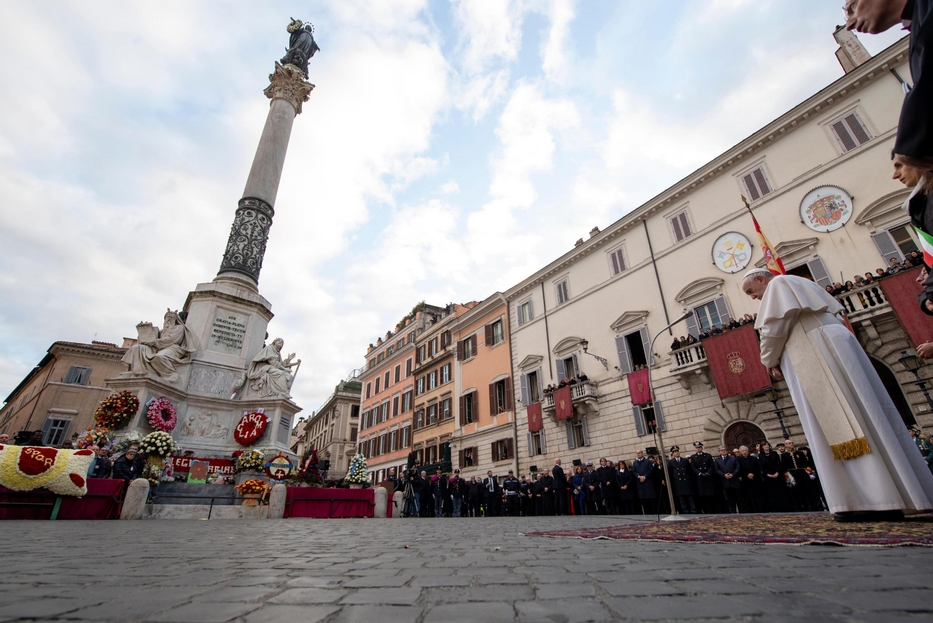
<point x="492" y="580"/>
<point x="308" y="596"/>
<point x="567" y="590"/>
<point x="290" y="614"/>
<point x="665" y="608"/>
<point x="913" y="600"/>
<point x="562" y="612"/>
<point x="471" y="613"/>
<point x="44" y="607"/>
<point x="724" y="586"/>
<point x="793" y="605"/>
<point x="388" y="596"/>
<point x="314" y="582"/>
<point x="629" y="588"/>
<point x="426" y="581"/>
<point x="204" y="613"/>
<point x="394" y="579"/>
<point x="485" y="593"/>
<point x="238" y="593"/>
<point x="377" y="614"/>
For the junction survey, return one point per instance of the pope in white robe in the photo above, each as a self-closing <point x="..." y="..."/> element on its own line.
<point x="860" y="445"/>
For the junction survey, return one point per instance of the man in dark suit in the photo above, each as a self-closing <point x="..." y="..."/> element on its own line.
<point x="644" y="475"/>
<point x="560" y="488"/>
<point x="101" y="467"/>
<point x="608" y="489"/>
<point x="752" y="484"/>
<point x="707" y="488"/>
<point x="682" y="481"/>
<point x="727" y="468"/>
<point x="492" y="495"/>
<point x="796" y="463"/>
<point x="594" y="499"/>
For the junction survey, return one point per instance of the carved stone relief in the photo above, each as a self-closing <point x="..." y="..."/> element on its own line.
<point x="206" y="424"/>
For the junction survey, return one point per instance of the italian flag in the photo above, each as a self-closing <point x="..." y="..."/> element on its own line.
<point x="926" y="243"/>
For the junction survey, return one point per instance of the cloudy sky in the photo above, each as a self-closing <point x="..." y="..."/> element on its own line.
<point x="450" y="149"/>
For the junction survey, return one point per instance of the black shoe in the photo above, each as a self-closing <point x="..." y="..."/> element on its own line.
<point x="868" y="516"/>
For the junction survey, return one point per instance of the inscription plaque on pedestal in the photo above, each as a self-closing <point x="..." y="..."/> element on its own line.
<point x="227" y="332"/>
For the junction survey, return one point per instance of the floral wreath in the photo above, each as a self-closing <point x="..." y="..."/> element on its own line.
<point x="250" y="428"/>
<point x="158" y="443"/>
<point x="162" y="415"/>
<point x="116" y="410"/>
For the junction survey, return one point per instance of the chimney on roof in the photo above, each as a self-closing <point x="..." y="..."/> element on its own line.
<point x="851" y="52"/>
<point x="578" y="242"/>
<point x="594" y="231"/>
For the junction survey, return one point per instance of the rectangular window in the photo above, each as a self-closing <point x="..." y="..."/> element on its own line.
<point x="709" y="316"/>
<point x="446" y="413"/>
<point x="378" y="379"/>
<point x="495" y="333"/>
<point x="398" y="373"/>
<point x="445" y="339"/>
<point x="503" y="450"/>
<point x="432" y="379"/>
<point x="500" y="399"/>
<point x="353" y="434"/>
<point x="468" y="409"/>
<point x="531" y="387"/>
<point x="525" y="313"/>
<point x="432" y="347"/>
<point x="466" y="348"/>
<point x="54" y="430"/>
<point x="445" y="373"/>
<point x="408" y="367"/>
<point x="419" y="418"/>
<point x="430" y="455"/>
<point x="419" y="386"/>
<point x="369" y="387"/>
<point x="432" y="414"/>
<point x="563" y="292"/>
<point x="372" y="447"/>
<point x="633" y="350"/>
<point x="420" y="354"/>
<point x="354" y="411"/>
<point x="536" y="443"/>
<point x="406" y="402"/>
<point x="617" y="259"/>
<point x="756" y="184"/>
<point x="395" y="402"/>
<point x="385" y="384"/>
<point x="393" y="441"/>
<point x="577" y="435"/>
<point x="382" y="444"/>
<point x="78" y="375"/>
<point x="680" y="225"/>
<point x="850" y="132"/>
<point x="385" y="411"/>
<point x="406" y="436"/>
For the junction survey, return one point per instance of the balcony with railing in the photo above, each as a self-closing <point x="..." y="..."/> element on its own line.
<point x="583" y="395"/>
<point x="689" y="361"/>
<point x="864" y="303"/>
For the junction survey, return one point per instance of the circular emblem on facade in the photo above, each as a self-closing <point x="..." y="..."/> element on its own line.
<point x="826" y="208"/>
<point x="732" y="252"/>
<point x="736" y="363"/>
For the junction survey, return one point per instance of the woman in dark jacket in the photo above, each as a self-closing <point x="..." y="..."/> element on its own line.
<point x="627" y="488"/>
<point x="772" y="473"/>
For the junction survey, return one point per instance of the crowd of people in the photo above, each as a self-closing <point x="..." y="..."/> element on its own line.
<point x="859" y="281"/>
<point x="744" y="480"/>
<point x="579" y="378"/>
<point x="734" y="323"/>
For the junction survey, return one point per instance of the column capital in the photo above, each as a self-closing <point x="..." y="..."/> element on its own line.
<point x="289" y="84"/>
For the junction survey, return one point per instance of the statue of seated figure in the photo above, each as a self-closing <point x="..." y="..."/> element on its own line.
<point x="162" y="353"/>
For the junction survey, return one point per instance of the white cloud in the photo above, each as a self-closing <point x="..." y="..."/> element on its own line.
<point x="451" y="187"/>
<point x="490" y="31"/>
<point x="553" y="53"/>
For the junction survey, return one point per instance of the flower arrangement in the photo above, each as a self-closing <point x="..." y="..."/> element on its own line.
<point x="251" y="459"/>
<point x="357" y="474"/>
<point x="253" y="486"/>
<point x="152" y="471"/>
<point x="162" y="415"/>
<point x="100" y="437"/>
<point x="310" y="472"/>
<point x="158" y="443"/>
<point x="120" y="447"/>
<point x="250" y="428"/>
<point x="116" y="410"/>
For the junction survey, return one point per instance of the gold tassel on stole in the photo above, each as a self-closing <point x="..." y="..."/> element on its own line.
<point x="852" y="449"/>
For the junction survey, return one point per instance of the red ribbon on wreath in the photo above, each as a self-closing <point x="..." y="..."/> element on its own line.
<point x="250" y="428"/>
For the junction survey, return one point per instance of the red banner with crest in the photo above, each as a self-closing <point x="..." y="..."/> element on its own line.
<point x="901" y="290"/>
<point x="534" y="417"/>
<point x="735" y="362"/>
<point x="563" y="403"/>
<point x="638" y="386"/>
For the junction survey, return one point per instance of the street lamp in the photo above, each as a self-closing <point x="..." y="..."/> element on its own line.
<point x="912" y="363"/>
<point x="779" y="412"/>
<point x="584" y="345"/>
<point x="667" y="476"/>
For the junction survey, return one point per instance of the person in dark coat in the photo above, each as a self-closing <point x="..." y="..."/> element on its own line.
<point x="561" y="487"/>
<point x="796" y="463"/>
<point x="644" y="476"/>
<point x="752" y="486"/>
<point x="527" y="497"/>
<point x="492" y="495"/>
<point x="594" y="505"/>
<point x="706" y="484"/>
<point x="682" y="481"/>
<point x="660" y="485"/>
<point x="627" y="487"/>
<point x="130" y="466"/>
<point x="727" y="468"/>
<point x="100" y="467"/>
<point x="547" y="494"/>
<point x="512" y="488"/>
<point x="772" y="475"/>
<point x="456" y="490"/>
<point x="608" y="489"/>
<point x="476" y="497"/>
<point x="427" y="495"/>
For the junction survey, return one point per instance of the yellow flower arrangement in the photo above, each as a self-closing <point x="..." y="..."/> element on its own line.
<point x="254" y="486"/>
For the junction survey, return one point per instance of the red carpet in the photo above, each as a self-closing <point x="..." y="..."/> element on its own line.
<point x="792" y="528"/>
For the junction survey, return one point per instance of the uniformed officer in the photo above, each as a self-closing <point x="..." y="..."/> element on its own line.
<point x="524" y="491"/>
<point x="512" y="488"/>
<point x="682" y="481"/>
<point x="707" y="487"/>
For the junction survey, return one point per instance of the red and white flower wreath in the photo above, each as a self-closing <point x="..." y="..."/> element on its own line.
<point x="162" y="415"/>
<point x="251" y="427"/>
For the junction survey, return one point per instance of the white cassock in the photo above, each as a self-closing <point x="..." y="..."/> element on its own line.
<point x="843" y="406"/>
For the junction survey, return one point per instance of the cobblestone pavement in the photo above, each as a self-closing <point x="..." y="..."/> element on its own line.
<point x="436" y="570"/>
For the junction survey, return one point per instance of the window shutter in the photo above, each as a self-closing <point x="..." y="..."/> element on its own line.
<point x="887" y="247"/>
<point x="586" y="432"/>
<point x="474" y="396"/>
<point x="678" y="232"/>
<point x="543" y="445"/>
<point x="525" y="390"/>
<point x="418" y="355"/>
<point x="460" y="459"/>
<point x="508" y="394"/>
<point x="571" y="443"/>
<point x="723" y="310"/>
<point x="625" y="362"/>
<point x="510" y="448"/>
<point x="576" y="365"/>
<point x="693" y="328"/>
<point x="531" y="311"/>
<point x="659" y="416"/>
<point x="858" y="129"/>
<point x="561" y="369"/>
<point x="749" y="182"/>
<point x="531" y="447"/>
<point x="473" y="340"/>
<point x="539" y="374"/>
<point x="646" y="344"/>
<point x="495" y="451"/>
<point x="841" y="132"/>
<point x="639" y="421"/>
<point x="488" y="331"/>
<point x="460" y="350"/>
<point x="462" y="412"/>
<point x="616" y="269"/>
<point x="763" y="185"/>
<point x="819" y="272"/>
<point x="492" y="399"/>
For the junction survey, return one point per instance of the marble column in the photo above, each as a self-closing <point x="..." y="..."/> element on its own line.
<point x="246" y="245"/>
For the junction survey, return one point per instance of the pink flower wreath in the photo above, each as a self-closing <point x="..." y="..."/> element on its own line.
<point x="161" y="415"/>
